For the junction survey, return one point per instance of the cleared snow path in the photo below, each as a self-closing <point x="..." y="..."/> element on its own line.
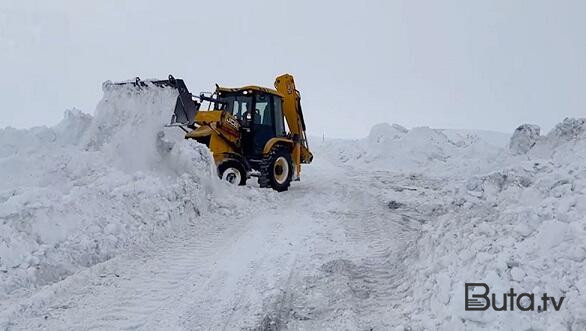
<point x="329" y="253"/>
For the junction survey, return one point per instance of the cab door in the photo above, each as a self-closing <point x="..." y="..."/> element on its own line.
<point x="263" y="127"/>
<point x="267" y="120"/>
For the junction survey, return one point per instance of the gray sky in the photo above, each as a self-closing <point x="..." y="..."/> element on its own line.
<point x="450" y="64"/>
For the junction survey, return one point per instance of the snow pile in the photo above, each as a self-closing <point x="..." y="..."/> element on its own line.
<point x="524" y="138"/>
<point x="422" y="149"/>
<point x="522" y="226"/>
<point x="78" y="193"/>
<point x="565" y="144"/>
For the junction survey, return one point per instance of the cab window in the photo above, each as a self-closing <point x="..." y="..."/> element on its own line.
<point x="279" y="123"/>
<point x="237" y="105"/>
<point x="263" y="114"/>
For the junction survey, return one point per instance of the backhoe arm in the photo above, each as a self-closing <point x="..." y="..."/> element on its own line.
<point x="294" y="117"/>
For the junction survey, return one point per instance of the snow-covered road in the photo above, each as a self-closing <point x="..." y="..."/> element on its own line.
<point x="327" y="254"/>
<point x="99" y="232"/>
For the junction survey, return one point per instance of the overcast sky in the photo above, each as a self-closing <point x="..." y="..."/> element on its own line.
<point x="448" y="64"/>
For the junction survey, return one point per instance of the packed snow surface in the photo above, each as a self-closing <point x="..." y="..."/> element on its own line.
<point x="111" y="221"/>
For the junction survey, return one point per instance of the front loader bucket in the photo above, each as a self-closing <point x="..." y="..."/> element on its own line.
<point x="185" y="106"/>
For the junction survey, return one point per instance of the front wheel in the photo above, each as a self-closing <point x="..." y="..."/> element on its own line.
<point x="277" y="170"/>
<point x="232" y="172"/>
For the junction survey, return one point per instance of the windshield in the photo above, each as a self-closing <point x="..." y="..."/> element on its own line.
<point x="237" y="104"/>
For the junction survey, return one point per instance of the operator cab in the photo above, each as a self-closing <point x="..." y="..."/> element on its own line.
<point x="260" y="113"/>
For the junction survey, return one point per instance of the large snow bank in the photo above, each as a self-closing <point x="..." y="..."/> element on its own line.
<point x="508" y="211"/>
<point x="522" y="226"/>
<point x="421" y="149"/>
<point x="78" y="193"/>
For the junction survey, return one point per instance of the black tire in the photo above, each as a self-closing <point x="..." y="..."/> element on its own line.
<point x="233" y="172"/>
<point x="277" y="170"/>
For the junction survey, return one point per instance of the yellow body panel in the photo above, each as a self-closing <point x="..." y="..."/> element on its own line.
<point x="219" y="147"/>
<point x="206" y="117"/>
<point x="201" y="132"/>
<point x="219" y="122"/>
<point x="219" y="131"/>
<point x="286" y="86"/>
<point x="217" y="143"/>
<point x="269" y="145"/>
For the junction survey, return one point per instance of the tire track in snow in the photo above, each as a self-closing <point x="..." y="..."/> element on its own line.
<point x="137" y="288"/>
<point x="255" y="271"/>
<point x="392" y="238"/>
<point x="281" y="308"/>
<point x="362" y="281"/>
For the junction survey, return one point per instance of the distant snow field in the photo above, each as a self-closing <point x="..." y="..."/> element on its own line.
<point x="466" y="206"/>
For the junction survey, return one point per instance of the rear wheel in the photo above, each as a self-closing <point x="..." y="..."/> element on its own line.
<point x="232" y="172"/>
<point x="277" y="170"/>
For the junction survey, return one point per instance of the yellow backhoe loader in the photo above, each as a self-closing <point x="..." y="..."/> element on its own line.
<point x="250" y="130"/>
